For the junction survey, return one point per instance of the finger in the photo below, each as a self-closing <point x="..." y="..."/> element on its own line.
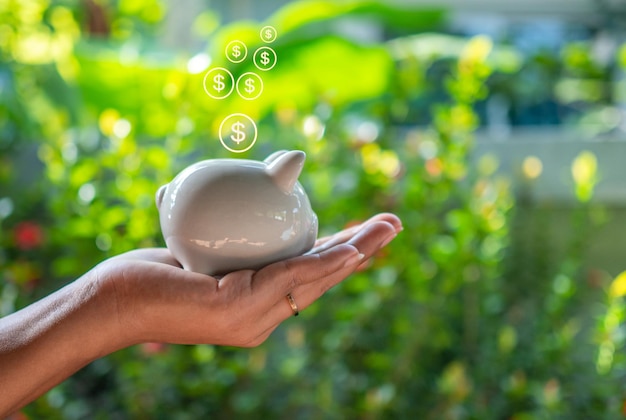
<point x="390" y="218"/>
<point x="335" y="239"/>
<point x="328" y="268"/>
<point x="364" y="265"/>
<point x="347" y="231"/>
<point x="372" y="238"/>
<point x="368" y="241"/>
<point x="262" y="289"/>
<point x="346" y="234"/>
<point x="282" y="309"/>
<point x="271" y="284"/>
<point x="281" y="277"/>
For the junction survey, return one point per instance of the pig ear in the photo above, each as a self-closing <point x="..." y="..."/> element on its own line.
<point x="271" y="158"/>
<point x="286" y="168"/>
<point x="159" y="195"/>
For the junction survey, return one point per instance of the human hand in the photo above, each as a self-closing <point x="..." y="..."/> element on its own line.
<point x="156" y="300"/>
<point x="145" y="295"/>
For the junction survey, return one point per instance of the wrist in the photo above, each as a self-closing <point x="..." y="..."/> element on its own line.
<point x="110" y="307"/>
<point x="49" y="340"/>
<point x="91" y="325"/>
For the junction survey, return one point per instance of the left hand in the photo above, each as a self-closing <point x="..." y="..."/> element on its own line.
<point x="157" y="300"/>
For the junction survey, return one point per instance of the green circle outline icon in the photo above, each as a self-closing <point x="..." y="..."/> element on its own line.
<point x="254" y="128"/>
<point x="264" y="31"/>
<point x="215" y="69"/>
<point x="259" y="52"/>
<point x="228" y="48"/>
<point x="248" y="75"/>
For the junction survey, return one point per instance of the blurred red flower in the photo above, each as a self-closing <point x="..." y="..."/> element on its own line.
<point x="28" y="235"/>
<point x="149" y="349"/>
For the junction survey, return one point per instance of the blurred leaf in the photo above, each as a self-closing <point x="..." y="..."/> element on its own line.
<point x="429" y="46"/>
<point x="473" y="296"/>
<point x="299" y="14"/>
<point x="618" y="286"/>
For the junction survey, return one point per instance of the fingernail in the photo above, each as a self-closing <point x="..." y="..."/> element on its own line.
<point x="389" y="239"/>
<point x="353" y="259"/>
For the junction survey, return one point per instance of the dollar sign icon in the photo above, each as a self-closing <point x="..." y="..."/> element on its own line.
<point x="265" y="58"/>
<point x="236" y="51"/>
<point x="268" y="34"/>
<point x="218" y="83"/>
<point x="238" y="134"/>
<point x="249" y="85"/>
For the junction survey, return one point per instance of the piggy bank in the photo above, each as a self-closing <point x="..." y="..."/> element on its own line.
<point x="224" y="215"/>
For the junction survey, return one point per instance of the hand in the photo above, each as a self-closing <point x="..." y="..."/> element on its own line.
<point x="145" y="295"/>
<point x="157" y="300"/>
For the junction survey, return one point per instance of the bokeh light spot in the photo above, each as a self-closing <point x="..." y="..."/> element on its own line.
<point x="6" y="207"/>
<point x="104" y="242"/>
<point x="107" y="120"/>
<point x="86" y="193"/>
<point x="198" y="63"/>
<point x="532" y="167"/>
<point x="313" y="128"/>
<point x="121" y="128"/>
<point x="584" y="167"/>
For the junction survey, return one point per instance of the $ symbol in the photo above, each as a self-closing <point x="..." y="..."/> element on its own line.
<point x="242" y="132"/>
<point x="268" y="33"/>
<point x="265" y="58"/>
<point x="239" y="135"/>
<point x="250" y="85"/>
<point x="236" y="51"/>
<point x="219" y="82"/>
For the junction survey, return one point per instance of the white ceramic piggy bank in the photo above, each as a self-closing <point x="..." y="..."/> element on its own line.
<point x="223" y="215"/>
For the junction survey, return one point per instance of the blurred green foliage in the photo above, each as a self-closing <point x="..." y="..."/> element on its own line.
<point x="466" y="315"/>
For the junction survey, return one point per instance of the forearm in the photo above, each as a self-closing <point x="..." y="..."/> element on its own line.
<point x="48" y="341"/>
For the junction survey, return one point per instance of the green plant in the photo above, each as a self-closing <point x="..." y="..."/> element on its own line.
<point x="467" y="315"/>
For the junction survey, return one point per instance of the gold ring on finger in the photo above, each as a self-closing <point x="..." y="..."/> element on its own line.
<point x="293" y="304"/>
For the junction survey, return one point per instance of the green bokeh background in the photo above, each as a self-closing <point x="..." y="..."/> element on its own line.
<point x="470" y="313"/>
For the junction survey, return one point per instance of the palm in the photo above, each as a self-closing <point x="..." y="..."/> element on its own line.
<point x="165" y="303"/>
